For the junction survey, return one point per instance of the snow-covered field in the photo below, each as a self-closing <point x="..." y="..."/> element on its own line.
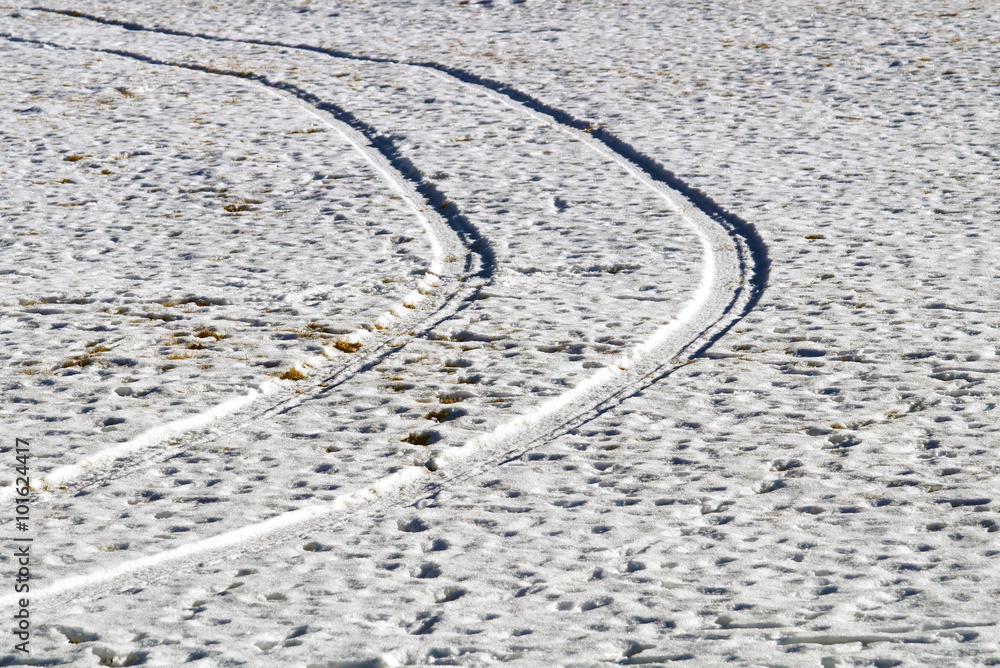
<point x="475" y="333"/>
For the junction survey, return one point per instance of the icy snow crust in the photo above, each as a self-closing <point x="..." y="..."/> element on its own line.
<point x="546" y="415"/>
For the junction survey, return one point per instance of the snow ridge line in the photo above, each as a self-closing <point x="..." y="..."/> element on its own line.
<point x="382" y="159"/>
<point x="686" y="322"/>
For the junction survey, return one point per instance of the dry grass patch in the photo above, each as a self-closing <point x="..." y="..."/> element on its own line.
<point x="176" y="339"/>
<point x="439" y="415"/>
<point x="197" y="302"/>
<point x="208" y="333"/>
<point x="346" y="346"/>
<point x="292" y="374"/>
<point x="241" y="205"/>
<point x="86" y="359"/>
<point x="425" y="438"/>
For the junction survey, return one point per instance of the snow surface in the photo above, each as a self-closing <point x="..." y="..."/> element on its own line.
<point x="625" y="332"/>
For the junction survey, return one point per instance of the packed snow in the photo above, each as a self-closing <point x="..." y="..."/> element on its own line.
<point x="522" y="332"/>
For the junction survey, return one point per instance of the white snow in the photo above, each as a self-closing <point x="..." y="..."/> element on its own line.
<point x="469" y="333"/>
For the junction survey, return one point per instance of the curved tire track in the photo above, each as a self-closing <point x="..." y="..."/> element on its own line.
<point x="261" y="403"/>
<point x="734" y="254"/>
<point x="755" y="265"/>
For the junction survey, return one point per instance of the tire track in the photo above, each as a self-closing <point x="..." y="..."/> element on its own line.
<point x="734" y="255"/>
<point x="381" y="153"/>
<point x="754" y="262"/>
<point x="753" y="257"/>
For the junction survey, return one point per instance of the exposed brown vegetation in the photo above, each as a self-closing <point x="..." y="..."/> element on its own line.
<point x="419" y="439"/>
<point x="438" y="416"/>
<point x="86" y="359"/>
<point x="346" y="346"/>
<point x="208" y="333"/>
